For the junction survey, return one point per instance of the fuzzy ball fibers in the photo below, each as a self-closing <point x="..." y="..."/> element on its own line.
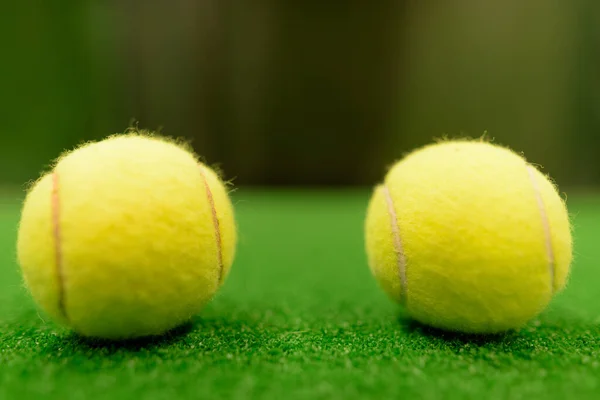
<point x="469" y="237"/>
<point x="126" y="237"/>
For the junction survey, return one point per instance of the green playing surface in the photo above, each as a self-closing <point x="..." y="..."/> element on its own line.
<point x="301" y="317"/>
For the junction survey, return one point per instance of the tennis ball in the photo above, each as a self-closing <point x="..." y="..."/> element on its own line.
<point x="469" y="237"/>
<point x="127" y="237"/>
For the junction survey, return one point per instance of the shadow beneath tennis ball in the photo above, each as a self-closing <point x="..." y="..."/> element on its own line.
<point x="200" y="335"/>
<point x="167" y="339"/>
<point x="415" y="327"/>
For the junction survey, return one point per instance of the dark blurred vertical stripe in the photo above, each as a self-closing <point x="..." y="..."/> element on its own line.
<point x="496" y="66"/>
<point x="584" y="136"/>
<point x="44" y="81"/>
<point x="301" y="92"/>
<point x="172" y="57"/>
<point x="329" y="91"/>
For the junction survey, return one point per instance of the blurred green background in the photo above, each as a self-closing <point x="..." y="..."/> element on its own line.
<point x="303" y="92"/>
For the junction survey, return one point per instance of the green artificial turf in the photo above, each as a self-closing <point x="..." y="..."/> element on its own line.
<point x="301" y="317"/>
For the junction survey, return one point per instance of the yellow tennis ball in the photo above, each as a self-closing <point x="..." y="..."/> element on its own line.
<point x="127" y="237"/>
<point x="469" y="237"/>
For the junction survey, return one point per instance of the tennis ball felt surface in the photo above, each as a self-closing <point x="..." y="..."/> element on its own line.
<point x="469" y="237"/>
<point x="127" y="237"/>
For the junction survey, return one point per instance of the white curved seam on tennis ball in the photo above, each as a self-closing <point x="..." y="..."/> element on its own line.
<point x="398" y="248"/>
<point x="216" y="225"/>
<point x="545" y="224"/>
